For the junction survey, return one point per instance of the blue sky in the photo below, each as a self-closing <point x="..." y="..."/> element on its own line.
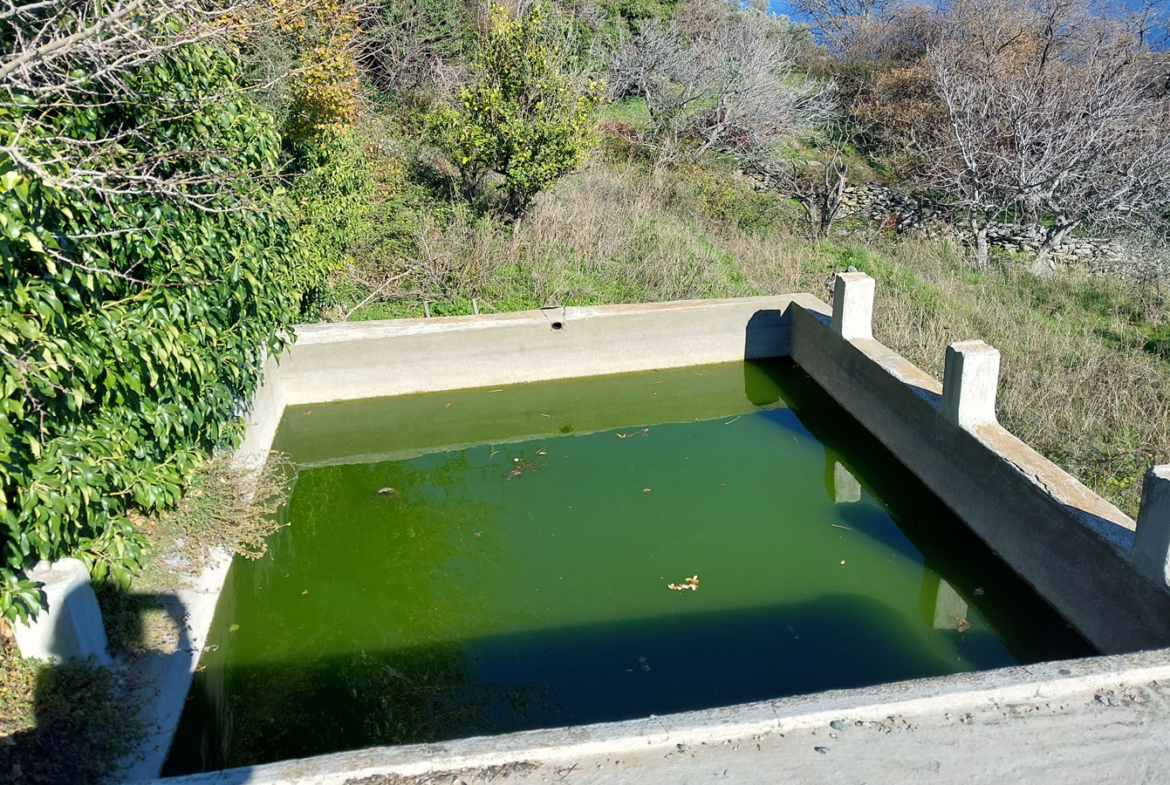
<point x="782" y="7"/>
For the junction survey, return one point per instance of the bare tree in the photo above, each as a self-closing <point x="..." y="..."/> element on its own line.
<point x="734" y="88"/>
<point x="58" y="52"/>
<point x="839" y="23"/>
<point x="1051" y="113"/>
<point x="60" y="55"/>
<point x="817" y="184"/>
<point x="408" y="45"/>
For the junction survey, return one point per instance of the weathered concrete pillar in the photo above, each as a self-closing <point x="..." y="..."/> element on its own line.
<point x="853" y="306"/>
<point x="970" y="379"/>
<point x="70" y="626"/>
<point x="1151" y="542"/>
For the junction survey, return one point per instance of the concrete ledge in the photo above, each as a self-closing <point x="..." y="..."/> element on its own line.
<point x="345" y="362"/>
<point x="1049" y="681"/>
<point x="166" y="680"/>
<point x="1068" y="543"/>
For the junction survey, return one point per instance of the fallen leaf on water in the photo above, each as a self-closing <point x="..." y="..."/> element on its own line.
<point x="542" y="452"/>
<point x="623" y="435"/>
<point x="645" y="490"/>
<point x="842" y="561"/>
<point x="963" y="625"/>
<point x="233" y="628"/>
<point x="306" y="591"/>
<point x="448" y="406"/>
<point x="479" y="534"/>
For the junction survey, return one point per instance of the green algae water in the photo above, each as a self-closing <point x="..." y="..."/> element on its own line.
<point x="500" y="559"/>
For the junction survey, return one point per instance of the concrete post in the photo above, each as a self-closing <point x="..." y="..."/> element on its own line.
<point x="70" y="626"/>
<point x="1151" y="542"/>
<point x="853" y="306"/>
<point x="970" y="379"/>
<point x="846" y="488"/>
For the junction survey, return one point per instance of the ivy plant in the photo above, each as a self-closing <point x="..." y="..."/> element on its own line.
<point x="133" y="318"/>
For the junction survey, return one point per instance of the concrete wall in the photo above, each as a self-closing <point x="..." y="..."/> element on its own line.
<point x="339" y="362"/>
<point x="1068" y="543"/>
<point x="1071" y="545"/>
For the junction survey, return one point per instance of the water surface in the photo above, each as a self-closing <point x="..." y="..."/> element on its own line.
<point x="493" y="560"/>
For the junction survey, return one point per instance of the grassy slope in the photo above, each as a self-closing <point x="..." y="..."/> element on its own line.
<point x="1084" y="368"/>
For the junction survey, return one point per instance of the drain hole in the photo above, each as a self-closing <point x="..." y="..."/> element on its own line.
<point x="557" y="325"/>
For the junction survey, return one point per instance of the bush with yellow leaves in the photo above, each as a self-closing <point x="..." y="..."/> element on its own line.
<point x="526" y="117"/>
<point x="324" y="82"/>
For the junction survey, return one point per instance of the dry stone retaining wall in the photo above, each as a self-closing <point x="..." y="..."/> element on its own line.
<point x="895" y="211"/>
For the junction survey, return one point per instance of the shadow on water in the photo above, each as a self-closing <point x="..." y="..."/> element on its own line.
<point x="547" y="678"/>
<point x="855" y="460"/>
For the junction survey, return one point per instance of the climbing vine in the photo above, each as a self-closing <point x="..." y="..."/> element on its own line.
<point x="133" y="317"/>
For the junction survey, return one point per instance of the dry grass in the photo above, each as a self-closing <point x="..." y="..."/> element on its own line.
<point x="66" y="723"/>
<point x="1080" y="380"/>
<point x="1084" y="371"/>
<point x="222" y="507"/>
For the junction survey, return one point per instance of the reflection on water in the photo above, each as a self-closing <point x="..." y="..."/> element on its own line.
<point x="517" y="574"/>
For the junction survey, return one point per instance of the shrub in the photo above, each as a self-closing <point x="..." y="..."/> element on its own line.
<point x="133" y="318"/>
<point x="525" y="118"/>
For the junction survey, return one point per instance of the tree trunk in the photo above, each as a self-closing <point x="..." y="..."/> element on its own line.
<point x="1030" y="210"/>
<point x="1044" y="265"/>
<point x="982" y="247"/>
<point x="831" y="200"/>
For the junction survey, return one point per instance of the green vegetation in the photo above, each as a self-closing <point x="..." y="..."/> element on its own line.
<point x="159" y="236"/>
<point x="176" y="192"/>
<point x="524" y="118"/>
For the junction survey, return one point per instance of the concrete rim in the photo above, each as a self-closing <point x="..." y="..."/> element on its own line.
<point x="1049" y="681"/>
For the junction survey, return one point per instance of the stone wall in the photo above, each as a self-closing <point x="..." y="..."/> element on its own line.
<point x="898" y="212"/>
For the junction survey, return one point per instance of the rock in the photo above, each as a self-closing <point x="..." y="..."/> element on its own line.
<point x="837" y="724"/>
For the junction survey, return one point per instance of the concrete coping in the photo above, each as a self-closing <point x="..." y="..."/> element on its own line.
<point x="1052" y="682"/>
